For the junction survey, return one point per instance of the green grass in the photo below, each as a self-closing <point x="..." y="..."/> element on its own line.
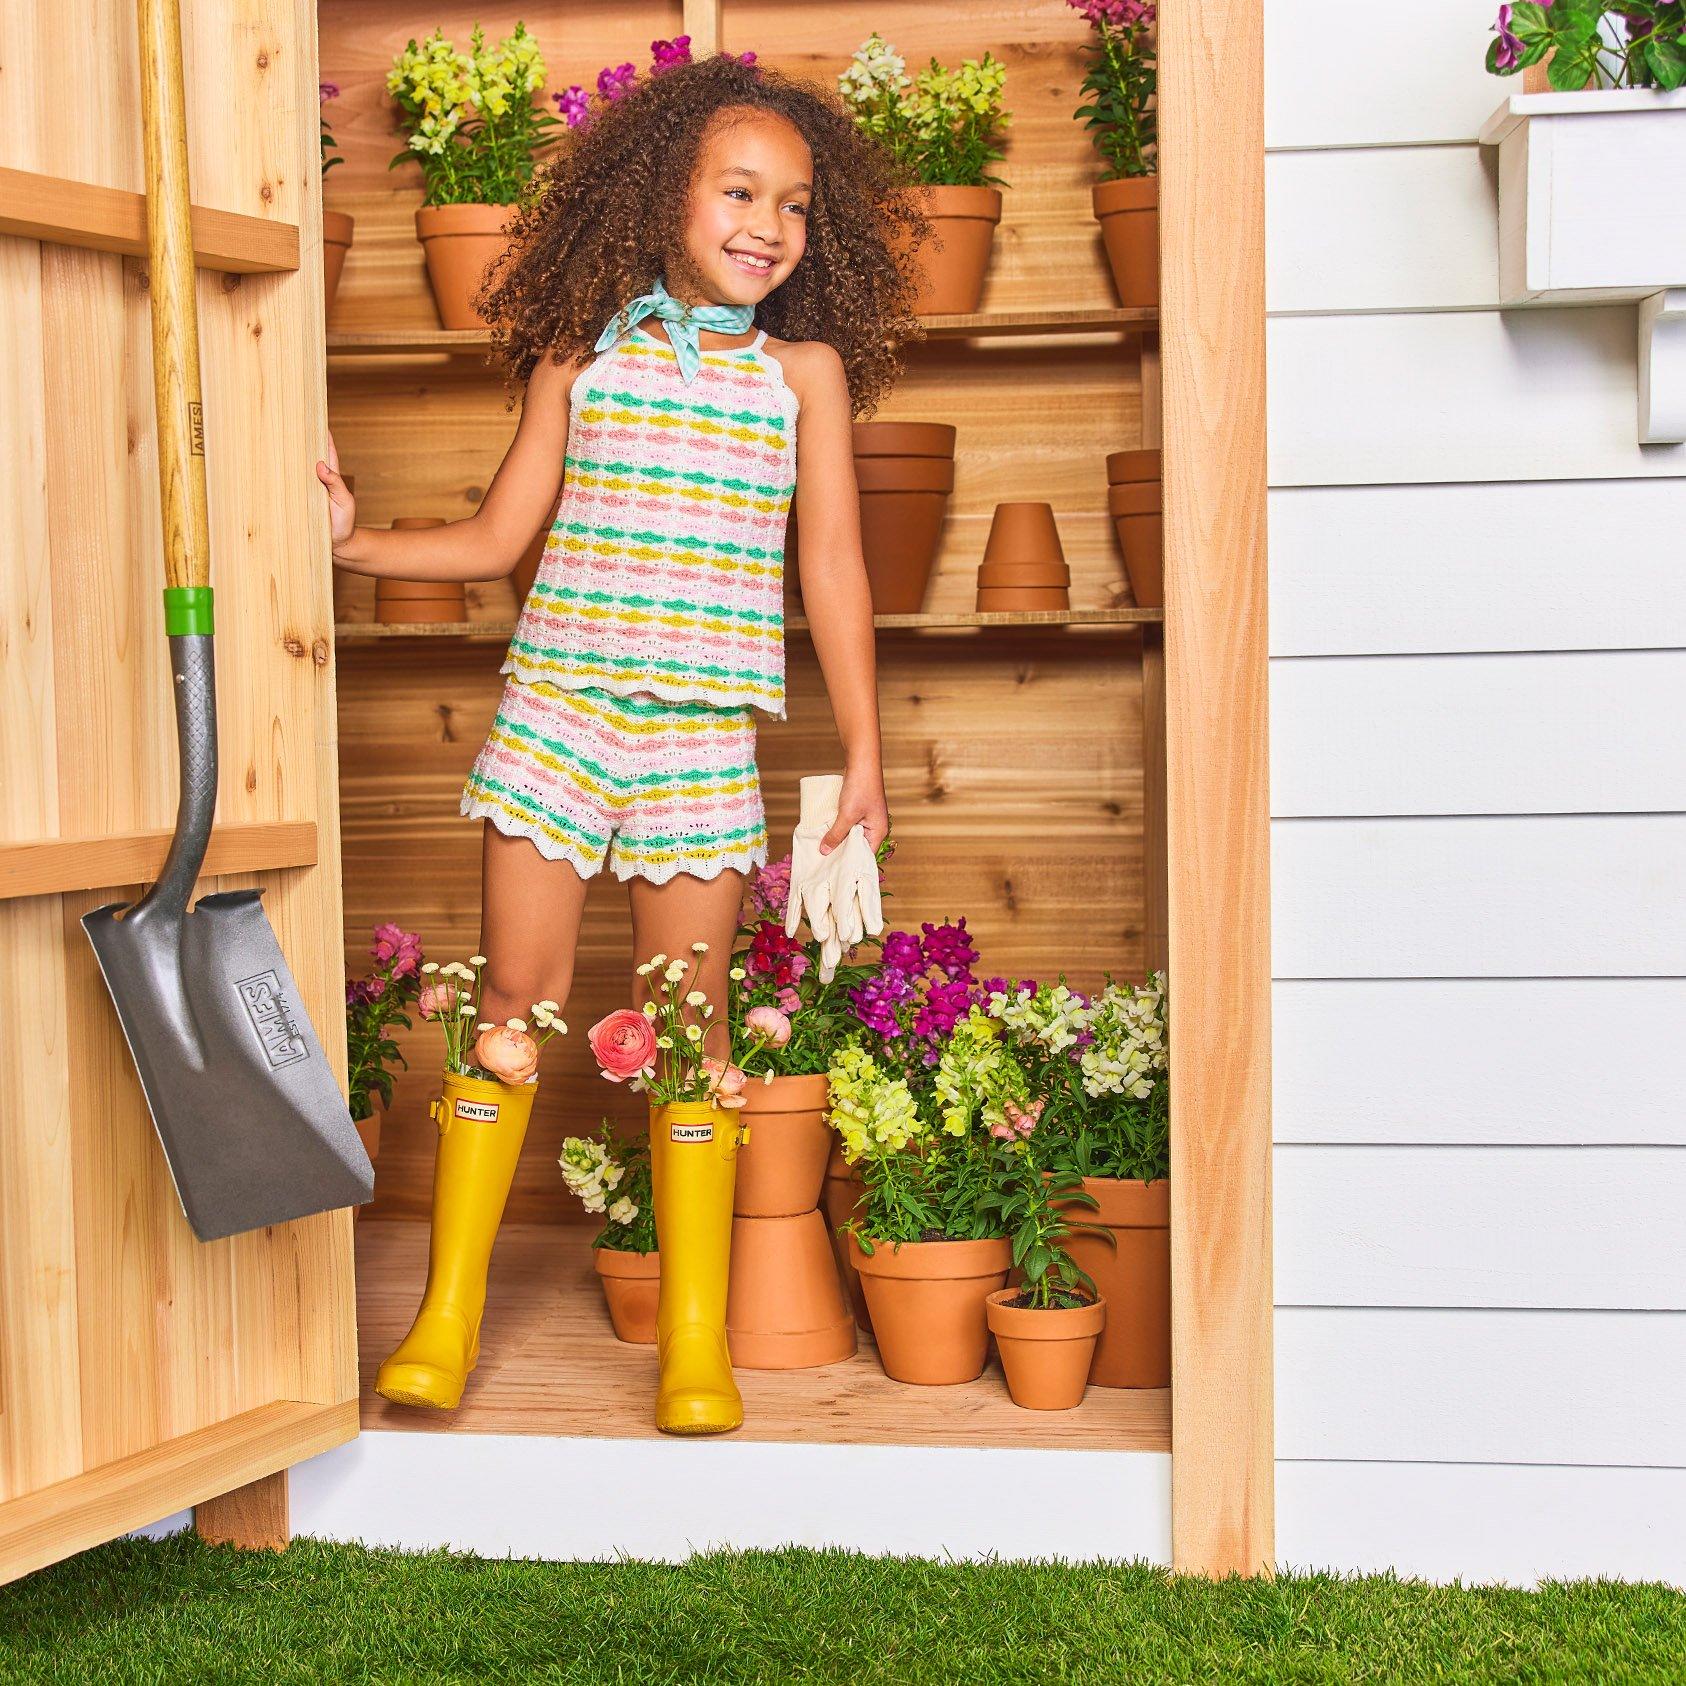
<point x="176" y="1610"/>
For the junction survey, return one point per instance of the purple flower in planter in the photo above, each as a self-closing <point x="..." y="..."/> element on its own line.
<point x="1510" y="48"/>
<point x="613" y="82"/>
<point x="875" y="1002"/>
<point x="574" y="103"/>
<point x="901" y="953"/>
<point x="949" y="947"/>
<point x="326" y="91"/>
<point x="667" y="55"/>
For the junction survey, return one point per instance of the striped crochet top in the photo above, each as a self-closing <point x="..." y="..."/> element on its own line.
<point x="663" y="574"/>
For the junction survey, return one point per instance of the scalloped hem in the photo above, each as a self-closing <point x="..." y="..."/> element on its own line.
<point x="664" y="690"/>
<point x="672" y="869"/>
<point x="546" y="846"/>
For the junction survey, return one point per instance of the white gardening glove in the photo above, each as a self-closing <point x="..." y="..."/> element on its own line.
<point x="810" y="881"/>
<point x="856" y="905"/>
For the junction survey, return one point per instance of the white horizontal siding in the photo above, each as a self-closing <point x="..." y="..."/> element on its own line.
<point x="1445" y="1386"/>
<point x="1482" y="1061"/>
<point x="1544" y="565"/>
<point x="1328" y="84"/>
<point x="1496" y="1522"/>
<point x="1580" y="896"/>
<point x="1417" y="229"/>
<point x="1469" y="395"/>
<point x="1548" y="1227"/>
<point x="1579" y="733"/>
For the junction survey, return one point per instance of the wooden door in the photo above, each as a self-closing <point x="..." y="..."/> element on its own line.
<point x="142" y="1371"/>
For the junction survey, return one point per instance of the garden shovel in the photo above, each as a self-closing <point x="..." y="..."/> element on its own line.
<point x="252" y="1121"/>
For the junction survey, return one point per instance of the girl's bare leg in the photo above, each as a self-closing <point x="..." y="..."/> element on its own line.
<point x="529" y="926"/>
<point x="668" y="918"/>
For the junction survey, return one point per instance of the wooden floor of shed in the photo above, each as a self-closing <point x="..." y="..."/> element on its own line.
<point x="550" y="1365"/>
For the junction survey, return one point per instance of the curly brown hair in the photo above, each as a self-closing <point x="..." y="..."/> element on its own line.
<point x="605" y="216"/>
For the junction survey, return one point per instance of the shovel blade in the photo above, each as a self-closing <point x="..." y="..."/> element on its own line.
<point x="252" y="1122"/>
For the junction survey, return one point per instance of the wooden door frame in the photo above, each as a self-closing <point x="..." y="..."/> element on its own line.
<point x="1212" y="330"/>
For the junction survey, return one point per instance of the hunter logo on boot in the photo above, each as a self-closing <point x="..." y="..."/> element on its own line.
<point x="478" y="1112"/>
<point x="690" y="1132"/>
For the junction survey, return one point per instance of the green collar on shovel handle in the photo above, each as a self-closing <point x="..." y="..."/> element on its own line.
<point x="187" y="610"/>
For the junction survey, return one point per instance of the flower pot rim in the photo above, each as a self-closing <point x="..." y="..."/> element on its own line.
<point x="1128" y="1202"/>
<point x="870" y="438"/>
<point x="1121" y="466"/>
<point x="1051" y="1323"/>
<point x="926" y="1260"/>
<point x="691" y="1109"/>
<point x="904" y="474"/>
<point x="985" y="201"/>
<point x="624" y="1262"/>
<point x="472" y="1086"/>
<point x="338" y="220"/>
<point x="434" y="220"/>
<point x="770" y="1099"/>
<point x="1125" y="194"/>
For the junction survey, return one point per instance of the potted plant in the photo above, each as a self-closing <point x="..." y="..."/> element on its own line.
<point x="374" y="1006"/>
<point x="337" y="227"/>
<point x="474" y="129"/>
<point x="1123" y="123"/>
<point x="928" y="1247"/>
<point x="1580" y="217"/>
<point x="1100" y="1064"/>
<point x="944" y="128"/>
<point x="1046" y="1327"/>
<point x="612" y="1177"/>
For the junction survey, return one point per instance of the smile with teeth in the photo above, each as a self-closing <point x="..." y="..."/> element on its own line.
<point x="750" y="261"/>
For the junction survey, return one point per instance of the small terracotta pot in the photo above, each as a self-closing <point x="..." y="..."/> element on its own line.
<point x="1041" y="574"/>
<point x="904" y="439"/>
<point x="844" y="1192"/>
<point x="784" y="1307"/>
<point x="1133" y="1278"/>
<point x="1128" y="212"/>
<point x="927" y="1301"/>
<point x="1136" y="507"/>
<point x="1046" y="1354"/>
<point x="1010" y="599"/>
<point x="631" y="1286"/>
<point x="1023" y="532"/>
<point x="459" y="243"/>
<point x="953" y="263"/>
<point x="781" y="1165"/>
<point x="337" y="230"/>
<point x="903" y="501"/>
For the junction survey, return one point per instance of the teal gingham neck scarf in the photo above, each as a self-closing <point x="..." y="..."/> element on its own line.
<point x="684" y="322"/>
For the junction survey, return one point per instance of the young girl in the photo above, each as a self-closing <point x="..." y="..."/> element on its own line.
<point x="715" y="264"/>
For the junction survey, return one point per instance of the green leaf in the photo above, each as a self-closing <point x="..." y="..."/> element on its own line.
<point x="1667" y="62"/>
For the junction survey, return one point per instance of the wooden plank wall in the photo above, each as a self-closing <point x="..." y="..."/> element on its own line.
<point x="1014" y="764"/>
<point x="118" y="1330"/>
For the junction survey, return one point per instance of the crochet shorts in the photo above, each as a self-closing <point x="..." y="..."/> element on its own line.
<point x="654" y="787"/>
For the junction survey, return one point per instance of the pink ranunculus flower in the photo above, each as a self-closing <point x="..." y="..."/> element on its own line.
<point x="725" y="1082"/>
<point x="437" y="1000"/>
<point x="768" y="1023"/>
<point x="623" y="1043"/>
<point x="511" y="1055"/>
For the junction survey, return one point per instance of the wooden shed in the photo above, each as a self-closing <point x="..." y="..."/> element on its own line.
<point x="1470" y="840"/>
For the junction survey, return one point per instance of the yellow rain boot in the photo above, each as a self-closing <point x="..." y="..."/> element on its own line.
<point x="481" y="1128"/>
<point x="694" y="1161"/>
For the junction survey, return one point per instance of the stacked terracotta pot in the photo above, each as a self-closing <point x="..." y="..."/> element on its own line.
<point x="905" y="472"/>
<point x="631" y="1290"/>
<point x="843" y="1192"/>
<point x="1024" y="566"/>
<point x="785" y="1307"/>
<point x="419" y="602"/>
<point x="1131" y="1267"/>
<point x="337" y="232"/>
<point x="1135" y="502"/>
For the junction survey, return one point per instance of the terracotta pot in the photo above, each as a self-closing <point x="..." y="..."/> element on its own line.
<point x="785" y="1308"/>
<point x="1043" y="574"/>
<point x="1136" y="508"/>
<point x="459" y="243"/>
<point x="1134" y="1279"/>
<point x="419" y="602"/>
<point x="1023" y="532"/>
<point x="631" y="1286"/>
<point x="337" y="229"/>
<point x="904" y="439"/>
<point x="1126" y="467"/>
<point x="952" y="264"/>
<point x="927" y="1301"/>
<point x="1046" y="1354"/>
<point x="903" y="501"/>
<point x="1009" y="599"/>
<point x="1128" y="212"/>
<point x="844" y="1191"/>
<point x="781" y="1166"/>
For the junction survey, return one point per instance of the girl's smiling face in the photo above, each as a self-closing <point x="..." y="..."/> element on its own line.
<point x="747" y="226"/>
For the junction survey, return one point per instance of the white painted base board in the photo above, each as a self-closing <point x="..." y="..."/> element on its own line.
<point x="508" y="1495"/>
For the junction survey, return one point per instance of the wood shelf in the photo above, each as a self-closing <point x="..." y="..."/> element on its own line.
<point x="480" y="632"/>
<point x="403" y="344"/>
<point x="550" y="1365"/>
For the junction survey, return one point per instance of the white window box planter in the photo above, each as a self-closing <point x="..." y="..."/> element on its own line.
<point x="1591" y="211"/>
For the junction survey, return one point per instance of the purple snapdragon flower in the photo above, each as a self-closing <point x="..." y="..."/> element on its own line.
<point x="950" y="948"/>
<point x="574" y="104"/>
<point x="667" y="55"/>
<point x="613" y="81"/>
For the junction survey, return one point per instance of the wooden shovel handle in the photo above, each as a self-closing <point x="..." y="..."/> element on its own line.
<point x="175" y="320"/>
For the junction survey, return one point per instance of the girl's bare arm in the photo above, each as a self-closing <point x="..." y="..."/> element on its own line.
<point x="488" y="544"/>
<point x="834" y="586"/>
